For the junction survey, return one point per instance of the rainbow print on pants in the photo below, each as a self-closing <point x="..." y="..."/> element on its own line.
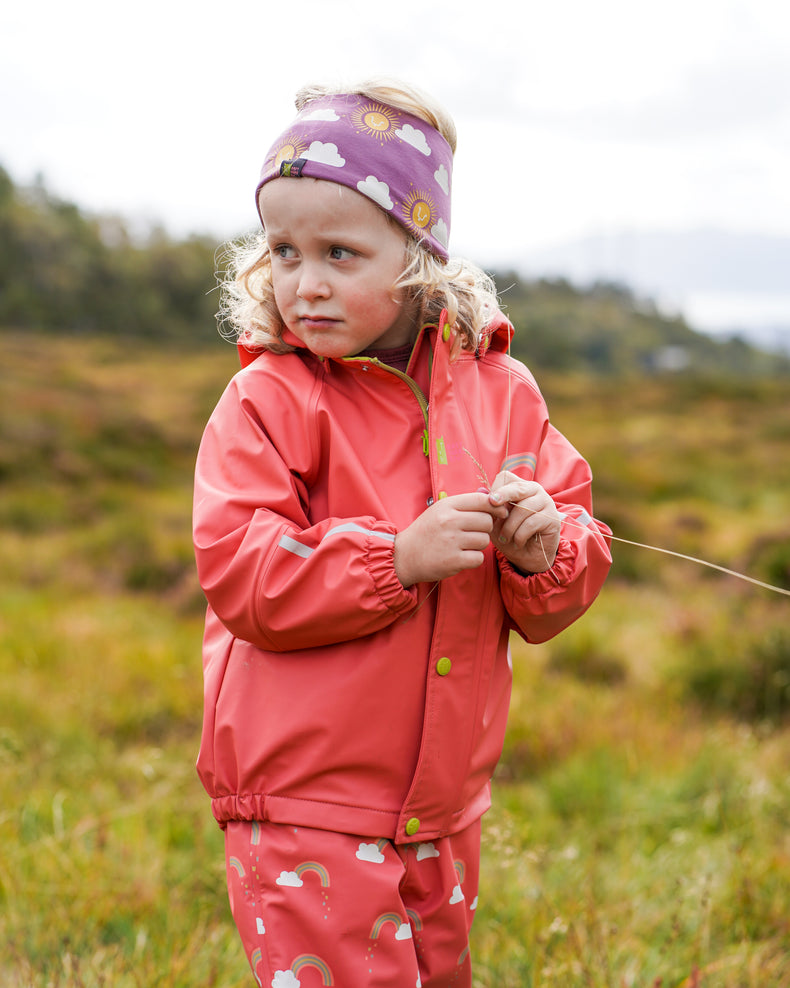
<point x="402" y="928"/>
<point x="237" y="866"/>
<point x="290" y="979"/>
<point x="315" y="867"/>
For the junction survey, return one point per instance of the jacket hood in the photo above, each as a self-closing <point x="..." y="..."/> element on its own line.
<point x="496" y="335"/>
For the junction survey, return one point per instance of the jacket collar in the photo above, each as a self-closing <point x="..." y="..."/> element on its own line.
<point x="495" y="336"/>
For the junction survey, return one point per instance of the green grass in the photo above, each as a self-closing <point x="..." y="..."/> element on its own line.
<point x="644" y="844"/>
<point x="114" y="865"/>
<point x="639" y="833"/>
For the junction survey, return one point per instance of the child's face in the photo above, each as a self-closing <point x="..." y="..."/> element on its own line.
<point x="335" y="258"/>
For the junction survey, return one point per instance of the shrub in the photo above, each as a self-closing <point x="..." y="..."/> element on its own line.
<point x="584" y="659"/>
<point x="770" y="558"/>
<point x="748" y="679"/>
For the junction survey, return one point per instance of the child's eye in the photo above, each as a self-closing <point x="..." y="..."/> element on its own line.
<point x="340" y="253"/>
<point x="284" y="251"/>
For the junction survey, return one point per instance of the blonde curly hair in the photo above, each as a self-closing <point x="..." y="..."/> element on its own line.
<point x="248" y="313"/>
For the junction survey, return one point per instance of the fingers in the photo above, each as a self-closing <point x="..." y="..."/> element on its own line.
<point x="519" y="529"/>
<point x="479" y="500"/>
<point x="449" y="536"/>
<point x="507" y="488"/>
<point x="473" y="511"/>
<point x="529" y="535"/>
<point x="526" y="502"/>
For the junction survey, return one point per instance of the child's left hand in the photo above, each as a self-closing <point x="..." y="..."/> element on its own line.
<point x="530" y="535"/>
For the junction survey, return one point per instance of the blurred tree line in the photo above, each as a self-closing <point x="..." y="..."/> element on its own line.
<point x="64" y="271"/>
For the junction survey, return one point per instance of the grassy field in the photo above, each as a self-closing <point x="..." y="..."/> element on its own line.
<point x="640" y="831"/>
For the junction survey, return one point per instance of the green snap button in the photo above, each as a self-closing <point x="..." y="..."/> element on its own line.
<point x="446" y="332"/>
<point x="412" y="826"/>
<point x="443" y="666"/>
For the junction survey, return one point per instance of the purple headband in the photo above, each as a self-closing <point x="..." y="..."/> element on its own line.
<point x="398" y="160"/>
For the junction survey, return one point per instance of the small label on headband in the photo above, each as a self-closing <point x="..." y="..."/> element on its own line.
<point x="292" y="168"/>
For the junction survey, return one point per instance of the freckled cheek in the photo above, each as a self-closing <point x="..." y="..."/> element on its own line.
<point x="284" y="296"/>
<point x="372" y="305"/>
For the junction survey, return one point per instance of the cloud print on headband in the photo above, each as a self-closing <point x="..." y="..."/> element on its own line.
<point x="395" y="159"/>
<point x="377" y="191"/>
<point x="324" y="153"/>
<point x="414" y="137"/>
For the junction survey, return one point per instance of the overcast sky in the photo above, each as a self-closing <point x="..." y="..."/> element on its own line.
<point x="574" y="116"/>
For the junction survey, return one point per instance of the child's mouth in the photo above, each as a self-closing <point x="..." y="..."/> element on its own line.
<point x="317" y="322"/>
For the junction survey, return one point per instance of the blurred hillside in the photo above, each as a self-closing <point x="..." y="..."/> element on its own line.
<point x="607" y="329"/>
<point x="725" y="282"/>
<point x="63" y="271"/>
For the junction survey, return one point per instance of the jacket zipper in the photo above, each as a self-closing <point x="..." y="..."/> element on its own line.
<point x="422" y="401"/>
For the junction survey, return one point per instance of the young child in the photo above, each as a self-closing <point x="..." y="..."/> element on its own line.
<point x="362" y="570"/>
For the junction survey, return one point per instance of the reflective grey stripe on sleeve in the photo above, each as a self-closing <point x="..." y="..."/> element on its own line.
<point x="583" y="518"/>
<point x="351" y="527"/>
<point x="295" y="547"/>
<point x="291" y="545"/>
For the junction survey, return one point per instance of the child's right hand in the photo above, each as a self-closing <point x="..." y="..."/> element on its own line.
<point x="449" y="536"/>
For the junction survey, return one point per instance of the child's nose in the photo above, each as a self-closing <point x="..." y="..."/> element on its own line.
<point x="312" y="283"/>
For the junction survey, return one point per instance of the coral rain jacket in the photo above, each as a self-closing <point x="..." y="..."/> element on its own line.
<point x="334" y="697"/>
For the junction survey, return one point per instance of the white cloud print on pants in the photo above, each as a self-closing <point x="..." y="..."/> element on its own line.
<point x="370" y="852"/>
<point x="285" y="979"/>
<point x="291" y="879"/>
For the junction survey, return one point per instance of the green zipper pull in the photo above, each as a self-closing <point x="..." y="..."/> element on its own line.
<point x="425" y="446"/>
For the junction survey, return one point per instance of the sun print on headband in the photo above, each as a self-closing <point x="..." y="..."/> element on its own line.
<point x="375" y="120"/>
<point x="418" y="209"/>
<point x="290" y="146"/>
